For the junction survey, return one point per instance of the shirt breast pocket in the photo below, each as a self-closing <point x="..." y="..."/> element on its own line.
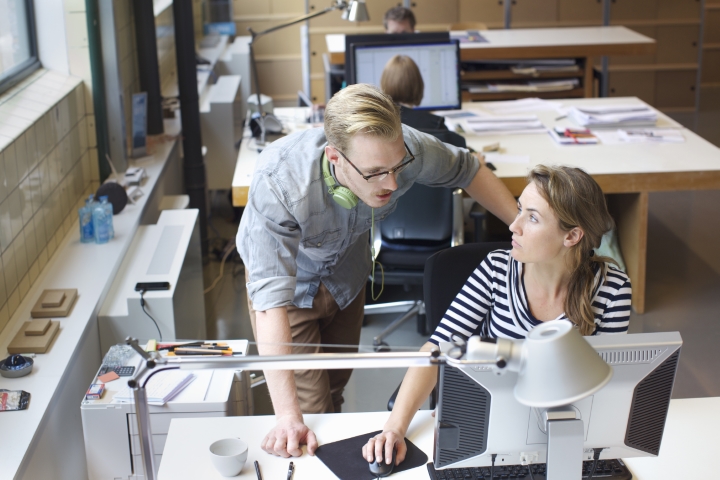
<point x="327" y="240"/>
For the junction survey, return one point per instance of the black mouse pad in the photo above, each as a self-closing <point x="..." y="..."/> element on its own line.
<point x="344" y="458"/>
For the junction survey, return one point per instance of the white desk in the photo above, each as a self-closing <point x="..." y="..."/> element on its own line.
<point x="537" y="43"/>
<point x="688" y="449"/>
<point x="186" y="457"/>
<point x="628" y="173"/>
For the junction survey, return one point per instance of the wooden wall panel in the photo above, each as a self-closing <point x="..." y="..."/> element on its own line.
<point x="712" y="26"/>
<point x="317" y="90"/>
<point x="534" y="11"/>
<point x="486" y="11"/>
<point x="675" y="89"/>
<point x="434" y="11"/>
<point x="280" y="77"/>
<point x="711" y="66"/>
<point x="589" y="11"/>
<point x="674" y="9"/>
<point x="633" y="84"/>
<point x="633" y="9"/>
<point x="318" y="46"/>
<point x="250" y="7"/>
<point x="677" y="43"/>
<point x="710" y="100"/>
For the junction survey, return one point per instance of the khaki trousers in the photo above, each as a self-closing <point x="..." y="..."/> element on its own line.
<point x="320" y="391"/>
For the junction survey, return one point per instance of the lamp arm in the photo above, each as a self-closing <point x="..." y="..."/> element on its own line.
<point x="337" y="6"/>
<point x="503" y="352"/>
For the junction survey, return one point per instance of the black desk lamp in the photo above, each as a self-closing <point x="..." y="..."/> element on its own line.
<point x="353" y="11"/>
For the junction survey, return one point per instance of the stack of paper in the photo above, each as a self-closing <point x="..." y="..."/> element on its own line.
<point x="522" y="105"/>
<point x="161" y="387"/>
<point x="613" y="116"/>
<point x="513" y="124"/>
<point x="534" y="86"/>
<point x="644" y="135"/>
<point x="454" y="118"/>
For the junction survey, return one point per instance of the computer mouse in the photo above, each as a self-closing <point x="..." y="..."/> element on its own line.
<point x="382" y="469"/>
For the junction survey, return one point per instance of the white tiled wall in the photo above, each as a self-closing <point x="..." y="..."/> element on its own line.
<point x="45" y="172"/>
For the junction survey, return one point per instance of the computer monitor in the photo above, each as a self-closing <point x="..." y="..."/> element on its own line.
<point x="478" y="414"/>
<point x="439" y="65"/>
<point x="416" y="38"/>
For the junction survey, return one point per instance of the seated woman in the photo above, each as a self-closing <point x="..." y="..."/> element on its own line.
<point x="401" y="80"/>
<point x="551" y="273"/>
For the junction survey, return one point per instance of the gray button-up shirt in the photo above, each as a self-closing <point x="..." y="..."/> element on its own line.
<point x="293" y="235"/>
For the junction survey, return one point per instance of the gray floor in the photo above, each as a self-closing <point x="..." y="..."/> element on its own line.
<point x="683" y="294"/>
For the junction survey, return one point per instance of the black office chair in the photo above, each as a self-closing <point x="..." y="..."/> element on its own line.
<point x="444" y="276"/>
<point x="425" y="221"/>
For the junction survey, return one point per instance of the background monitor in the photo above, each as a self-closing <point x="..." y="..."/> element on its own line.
<point x="439" y="65"/>
<point x="478" y="415"/>
<point x="350" y="40"/>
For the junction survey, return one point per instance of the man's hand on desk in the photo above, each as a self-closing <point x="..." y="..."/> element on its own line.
<point x="286" y="438"/>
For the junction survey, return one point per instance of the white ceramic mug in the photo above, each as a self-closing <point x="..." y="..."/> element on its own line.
<point x="228" y="456"/>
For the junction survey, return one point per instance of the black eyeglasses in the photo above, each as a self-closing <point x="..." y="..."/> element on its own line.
<point x="378" y="177"/>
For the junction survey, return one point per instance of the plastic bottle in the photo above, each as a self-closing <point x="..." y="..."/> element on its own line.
<point x="87" y="233"/>
<point x="102" y="222"/>
<point x="109" y="210"/>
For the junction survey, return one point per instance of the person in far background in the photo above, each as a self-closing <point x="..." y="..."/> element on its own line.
<point x="401" y="79"/>
<point x="399" y="20"/>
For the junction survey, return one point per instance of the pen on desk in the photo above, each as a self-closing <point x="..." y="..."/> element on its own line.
<point x="291" y="469"/>
<point x="561" y="117"/>
<point x="257" y="470"/>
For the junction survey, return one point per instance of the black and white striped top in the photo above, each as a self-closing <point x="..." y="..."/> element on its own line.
<point x="487" y="290"/>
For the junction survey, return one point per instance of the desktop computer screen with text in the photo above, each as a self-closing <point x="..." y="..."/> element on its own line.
<point x="438" y="64"/>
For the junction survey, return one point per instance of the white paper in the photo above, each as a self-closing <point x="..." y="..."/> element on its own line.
<point x="161" y="388"/>
<point x="522" y="105"/>
<point x="503" y="158"/>
<point x="619" y="137"/>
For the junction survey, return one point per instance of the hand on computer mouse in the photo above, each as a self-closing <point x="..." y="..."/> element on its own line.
<point x="381" y="468"/>
<point x="383" y="445"/>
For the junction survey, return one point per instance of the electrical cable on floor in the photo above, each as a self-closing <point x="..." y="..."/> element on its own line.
<point x="230" y="249"/>
<point x="142" y="304"/>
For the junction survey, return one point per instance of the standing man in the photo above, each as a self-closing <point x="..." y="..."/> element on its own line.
<point x="304" y="239"/>
<point x="399" y="20"/>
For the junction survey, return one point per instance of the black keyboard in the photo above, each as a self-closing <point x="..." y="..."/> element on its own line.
<point x="605" y="470"/>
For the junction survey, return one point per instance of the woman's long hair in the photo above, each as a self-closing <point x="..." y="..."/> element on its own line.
<point x="577" y="201"/>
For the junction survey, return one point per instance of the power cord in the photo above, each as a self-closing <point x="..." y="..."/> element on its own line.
<point x="492" y="465"/>
<point x="142" y="304"/>
<point x="596" y="457"/>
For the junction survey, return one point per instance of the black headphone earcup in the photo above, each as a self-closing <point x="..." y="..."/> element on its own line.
<point x="116" y="196"/>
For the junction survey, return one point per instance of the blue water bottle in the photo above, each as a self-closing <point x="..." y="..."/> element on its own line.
<point x="101" y="223"/>
<point x="109" y="211"/>
<point x="87" y="233"/>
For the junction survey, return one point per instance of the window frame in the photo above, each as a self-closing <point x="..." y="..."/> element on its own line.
<point x="21" y="71"/>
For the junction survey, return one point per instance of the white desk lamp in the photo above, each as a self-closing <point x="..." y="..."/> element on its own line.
<point x="555" y="367"/>
<point x="353" y="11"/>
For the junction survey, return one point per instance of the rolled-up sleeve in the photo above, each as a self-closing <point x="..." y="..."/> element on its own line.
<point x="268" y="241"/>
<point x="441" y="164"/>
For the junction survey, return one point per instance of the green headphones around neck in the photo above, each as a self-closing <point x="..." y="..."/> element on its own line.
<point x="343" y="196"/>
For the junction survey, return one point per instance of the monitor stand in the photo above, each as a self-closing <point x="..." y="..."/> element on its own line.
<point x="565" y="443"/>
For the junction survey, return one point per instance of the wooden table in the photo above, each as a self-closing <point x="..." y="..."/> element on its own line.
<point x="687" y="450"/>
<point x="580" y="43"/>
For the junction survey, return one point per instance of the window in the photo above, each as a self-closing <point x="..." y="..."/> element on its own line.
<point x="18" y="49"/>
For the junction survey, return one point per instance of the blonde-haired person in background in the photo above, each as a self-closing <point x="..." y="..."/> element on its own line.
<point x="551" y="273"/>
<point x="304" y="238"/>
<point x="401" y="79"/>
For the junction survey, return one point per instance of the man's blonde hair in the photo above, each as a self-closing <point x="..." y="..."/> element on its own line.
<point x="401" y="79"/>
<point x="361" y="108"/>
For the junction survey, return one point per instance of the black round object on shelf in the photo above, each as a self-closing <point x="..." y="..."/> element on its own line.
<point x="116" y="196"/>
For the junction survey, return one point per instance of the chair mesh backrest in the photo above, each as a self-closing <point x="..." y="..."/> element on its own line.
<point x="422" y="213"/>
<point x="446" y="273"/>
